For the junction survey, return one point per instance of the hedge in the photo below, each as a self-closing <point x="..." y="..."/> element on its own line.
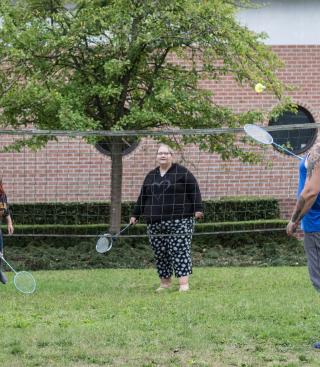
<point x="137" y="230"/>
<point x="234" y="209"/>
<point x="232" y="249"/>
<point x="239" y="232"/>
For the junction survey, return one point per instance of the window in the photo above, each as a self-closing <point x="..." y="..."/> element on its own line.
<point x="128" y="145"/>
<point x="299" y="140"/>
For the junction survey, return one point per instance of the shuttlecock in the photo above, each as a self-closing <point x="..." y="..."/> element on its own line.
<point x="259" y="88"/>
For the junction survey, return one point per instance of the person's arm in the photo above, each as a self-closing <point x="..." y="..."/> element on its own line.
<point x="7" y="215"/>
<point x="195" y="195"/>
<point x="306" y="198"/>
<point x="139" y="205"/>
<point x="9" y="224"/>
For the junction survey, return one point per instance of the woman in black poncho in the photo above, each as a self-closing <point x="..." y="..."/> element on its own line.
<point x="169" y="202"/>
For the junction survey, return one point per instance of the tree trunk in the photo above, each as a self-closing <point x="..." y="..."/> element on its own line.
<point x="116" y="185"/>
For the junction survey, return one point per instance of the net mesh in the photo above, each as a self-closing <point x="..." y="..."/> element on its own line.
<point x="65" y="185"/>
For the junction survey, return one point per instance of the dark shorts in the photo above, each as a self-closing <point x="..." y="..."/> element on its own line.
<point x="312" y="249"/>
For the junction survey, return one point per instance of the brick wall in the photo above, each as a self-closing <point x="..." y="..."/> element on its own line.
<point x="71" y="170"/>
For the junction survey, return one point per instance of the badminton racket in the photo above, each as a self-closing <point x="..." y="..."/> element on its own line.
<point x="262" y="136"/>
<point x="105" y="241"/>
<point x="23" y="280"/>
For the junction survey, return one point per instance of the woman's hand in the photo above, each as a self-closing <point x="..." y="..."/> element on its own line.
<point x="198" y="215"/>
<point x="133" y="220"/>
<point x="9" y="226"/>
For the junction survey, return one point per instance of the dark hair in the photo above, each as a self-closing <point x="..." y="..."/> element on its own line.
<point x="1" y="188"/>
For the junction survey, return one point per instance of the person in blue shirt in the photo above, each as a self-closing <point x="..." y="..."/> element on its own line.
<point x="4" y="214"/>
<point x="307" y="210"/>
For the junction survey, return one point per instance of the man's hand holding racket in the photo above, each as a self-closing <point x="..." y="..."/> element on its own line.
<point x="291" y="228"/>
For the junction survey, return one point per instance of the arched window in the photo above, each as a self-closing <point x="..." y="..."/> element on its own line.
<point x="299" y="140"/>
<point x="128" y="145"/>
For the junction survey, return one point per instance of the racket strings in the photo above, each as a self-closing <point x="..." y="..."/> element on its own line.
<point x="104" y="244"/>
<point x="258" y="134"/>
<point x="24" y="282"/>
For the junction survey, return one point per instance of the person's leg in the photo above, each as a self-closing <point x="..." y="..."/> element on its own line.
<point x="184" y="283"/>
<point x="162" y="258"/>
<point x="3" y="278"/>
<point x="180" y="250"/>
<point x="312" y="250"/>
<point x="1" y="242"/>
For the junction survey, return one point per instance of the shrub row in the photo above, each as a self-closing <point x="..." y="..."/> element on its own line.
<point x="241" y="232"/>
<point x="140" y="230"/>
<point x="225" y="210"/>
<point x="233" y="249"/>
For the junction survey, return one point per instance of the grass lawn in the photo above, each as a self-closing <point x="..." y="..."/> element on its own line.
<point x="231" y="317"/>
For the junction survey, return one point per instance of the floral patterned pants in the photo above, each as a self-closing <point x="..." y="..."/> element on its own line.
<point x="171" y="243"/>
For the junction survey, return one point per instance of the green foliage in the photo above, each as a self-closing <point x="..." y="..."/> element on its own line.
<point x="226" y="210"/>
<point x="139" y="229"/>
<point x="106" y="65"/>
<point x="261" y="242"/>
<point x="243" y="231"/>
<point x="246" y="248"/>
<point x="238" y="209"/>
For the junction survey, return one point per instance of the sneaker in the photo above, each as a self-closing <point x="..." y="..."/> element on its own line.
<point x="316" y="345"/>
<point x="3" y="278"/>
<point x="184" y="288"/>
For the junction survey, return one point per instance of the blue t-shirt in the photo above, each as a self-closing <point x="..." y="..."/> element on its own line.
<point x="311" y="220"/>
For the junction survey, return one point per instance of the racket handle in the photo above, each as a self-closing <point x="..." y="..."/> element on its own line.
<point x="286" y="150"/>
<point x="123" y="229"/>
<point x="3" y="259"/>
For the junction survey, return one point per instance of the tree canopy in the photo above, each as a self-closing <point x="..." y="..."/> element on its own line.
<point x="107" y="64"/>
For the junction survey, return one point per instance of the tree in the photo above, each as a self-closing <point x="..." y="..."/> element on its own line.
<point x="104" y="64"/>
